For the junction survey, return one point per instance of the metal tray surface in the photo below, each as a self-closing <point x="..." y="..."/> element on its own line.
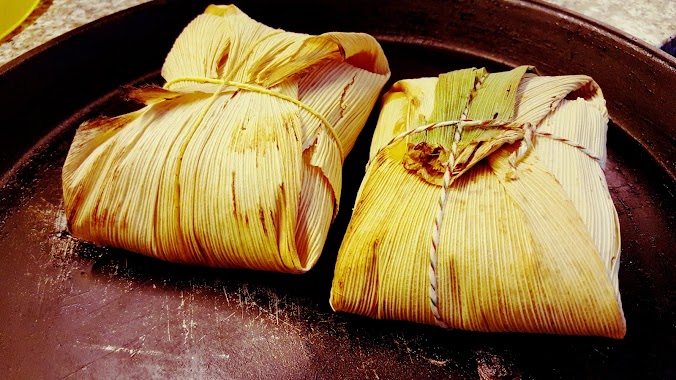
<point x="72" y="310"/>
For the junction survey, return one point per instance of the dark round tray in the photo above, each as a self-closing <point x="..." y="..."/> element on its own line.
<point x="72" y="310"/>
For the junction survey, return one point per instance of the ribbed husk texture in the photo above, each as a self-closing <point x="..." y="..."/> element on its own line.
<point x="535" y="252"/>
<point x="236" y="161"/>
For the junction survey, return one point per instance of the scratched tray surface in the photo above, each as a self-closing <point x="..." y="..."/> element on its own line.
<point x="73" y="310"/>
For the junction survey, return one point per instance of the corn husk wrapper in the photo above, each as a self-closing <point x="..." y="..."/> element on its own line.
<point x="228" y="165"/>
<point x="539" y="253"/>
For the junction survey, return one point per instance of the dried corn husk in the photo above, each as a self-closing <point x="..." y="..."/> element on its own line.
<point x="236" y="161"/>
<point x="525" y="238"/>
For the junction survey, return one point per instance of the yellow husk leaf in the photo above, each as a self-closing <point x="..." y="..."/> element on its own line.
<point x="535" y="254"/>
<point x="228" y="165"/>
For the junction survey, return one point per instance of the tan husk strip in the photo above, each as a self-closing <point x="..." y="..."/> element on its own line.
<point x="237" y="161"/>
<point x="538" y="253"/>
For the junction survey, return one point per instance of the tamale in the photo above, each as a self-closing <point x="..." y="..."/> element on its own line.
<point x="237" y="160"/>
<point x="485" y="207"/>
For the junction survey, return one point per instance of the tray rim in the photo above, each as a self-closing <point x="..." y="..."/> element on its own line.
<point x="565" y="13"/>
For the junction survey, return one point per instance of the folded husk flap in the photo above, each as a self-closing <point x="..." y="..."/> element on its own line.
<point x="236" y="161"/>
<point x="538" y="252"/>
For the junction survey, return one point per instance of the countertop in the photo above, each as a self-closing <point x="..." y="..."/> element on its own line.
<point x="653" y="21"/>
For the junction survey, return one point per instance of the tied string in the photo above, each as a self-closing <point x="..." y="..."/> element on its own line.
<point x="528" y="130"/>
<point x="527" y="142"/>
<point x="262" y="90"/>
